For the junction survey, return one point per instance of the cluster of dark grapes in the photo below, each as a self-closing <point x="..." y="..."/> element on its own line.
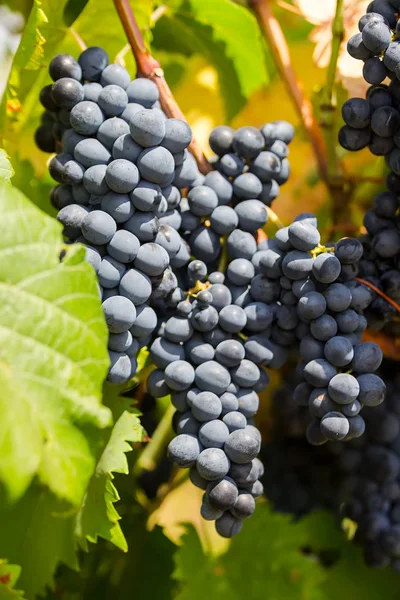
<point x="120" y="166"/>
<point x="201" y="363"/>
<point x="359" y="480"/>
<point x="186" y="277"/>
<point x="231" y="200"/>
<point x="381" y="259"/>
<point x="375" y="121"/>
<point x="299" y="477"/>
<point x="323" y="308"/>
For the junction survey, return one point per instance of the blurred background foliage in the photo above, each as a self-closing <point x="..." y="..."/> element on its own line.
<point x="221" y="70"/>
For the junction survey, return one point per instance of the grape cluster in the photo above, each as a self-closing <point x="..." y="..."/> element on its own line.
<point x="231" y="200"/>
<point x="375" y="120"/>
<point x="201" y="362"/>
<point x="373" y="501"/>
<point x="299" y="477"/>
<point x="380" y="262"/>
<point x="321" y="305"/>
<point x="120" y="167"/>
<point x="359" y="480"/>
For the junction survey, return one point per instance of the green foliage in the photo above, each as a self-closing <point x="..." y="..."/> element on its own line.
<point x="53" y="360"/>
<point x="37" y="533"/>
<point x="98" y="516"/>
<point x="256" y="566"/>
<point x="210" y="28"/>
<point x="275" y="558"/>
<point x="144" y="572"/>
<point x="6" y="170"/>
<point x="52" y="354"/>
<point x="8" y="577"/>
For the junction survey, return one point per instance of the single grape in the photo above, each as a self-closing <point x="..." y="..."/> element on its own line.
<point x="112" y="100"/>
<point x="136" y="286"/>
<point x="98" y="227"/>
<point x="93" y="61"/>
<point x="319" y="372"/>
<point x="212" y="464"/>
<point x="343" y="388"/>
<point x="326" y="268"/>
<point x="202" y="200"/>
<point x="120" y="368"/>
<point x="147" y="128"/>
<point x="266" y="166"/>
<point x="234" y="420"/>
<point x="86" y="117"/>
<point x="71" y="217"/>
<point x="242" y="446"/>
<point x="247" y="142"/>
<point x="156" y="165"/>
<point x="177" y="137"/>
<point x="151" y="259"/>
<point x="120" y="314"/>
<point x="334" y="426"/>
<point x="142" y="91"/>
<point x="91" y="91"/>
<point x="184" y="450"/>
<point x="247" y="186"/>
<point x="339" y="351"/>
<point x="115" y="74"/>
<point x="252" y="215"/>
<point x="303" y="236"/>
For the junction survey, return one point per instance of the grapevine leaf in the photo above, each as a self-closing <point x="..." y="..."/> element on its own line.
<point x="277" y="566"/>
<point x="210" y="28"/>
<point x="324" y="533"/>
<point x="53" y="356"/>
<point x="8" y="577"/>
<point x="106" y="573"/>
<point x="6" y="170"/>
<point x="98" y="516"/>
<point x="37" y="533"/>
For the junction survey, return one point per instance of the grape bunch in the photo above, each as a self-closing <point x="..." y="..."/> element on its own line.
<point x="300" y="478"/>
<point x="120" y="167"/>
<point x="323" y="310"/>
<point x="201" y="362"/>
<point x="231" y="200"/>
<point x="373" y="501"/>
<point x="380" y="262"/>
<point x="359" y="480"/>
<point x="375" y="120"/>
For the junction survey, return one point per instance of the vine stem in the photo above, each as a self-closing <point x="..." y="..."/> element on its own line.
<point x="280" y="51"/>
<point x="273" y="218"/>
<point x="337" y="39"/>
<point x="379" y="292"/>
<point x="150" y="68"/>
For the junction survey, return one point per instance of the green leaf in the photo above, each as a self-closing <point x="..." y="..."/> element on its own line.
<point x="8" y="577"/>
<point x="263" y="561"/>
<point x="73" y="9"/>
<point x="37" y="533"/>
<point x="349" y="577"/>
<point x="6" y="170"/>
<point x="211" y="28"/>
<point x="53" y="356"/>
<point x="98" y="516"/>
